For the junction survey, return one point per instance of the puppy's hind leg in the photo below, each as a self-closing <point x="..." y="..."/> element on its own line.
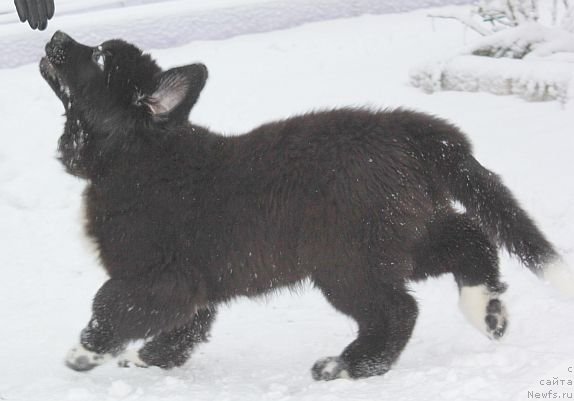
<point x="126" y="310"/>
<point x="455" y="244"/>
<point x="386" y="316"/>
<point x="172" y="348"/>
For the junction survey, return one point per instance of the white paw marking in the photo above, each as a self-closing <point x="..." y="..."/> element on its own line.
<point x="560" y="276"/>
<point x="131" y="358"/>
<point x="329" y="368"/>
<point x="474" y="303"/>
<point x="81" y="359"/>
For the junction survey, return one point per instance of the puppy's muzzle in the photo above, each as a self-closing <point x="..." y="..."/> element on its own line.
<point x="57" y="46"/>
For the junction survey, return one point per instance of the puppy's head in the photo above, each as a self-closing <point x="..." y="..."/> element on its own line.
<point x="117" y="77"/>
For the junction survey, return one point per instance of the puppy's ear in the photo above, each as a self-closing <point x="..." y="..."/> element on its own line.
<point x="176" y="91"/>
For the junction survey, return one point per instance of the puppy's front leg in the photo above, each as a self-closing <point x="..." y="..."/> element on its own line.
<point x="125" y="310"/>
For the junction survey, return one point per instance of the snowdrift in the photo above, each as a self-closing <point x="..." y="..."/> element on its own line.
<point x="532" y="80"/>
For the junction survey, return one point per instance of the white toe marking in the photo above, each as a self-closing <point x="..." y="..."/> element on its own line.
<point x="333" y="369"/>
<point x="343" y="374"/>
<point x="560" y="276"/>
<point x="131" y="358"/>
<point x="91" y="357"/>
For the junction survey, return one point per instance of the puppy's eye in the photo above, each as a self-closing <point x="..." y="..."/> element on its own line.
<point x="99" y="57"/>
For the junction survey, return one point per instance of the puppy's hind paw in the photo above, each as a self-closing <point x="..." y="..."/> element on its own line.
<point x="496" y="319"/>
<point x="330" y="368"/>
<point x="484" y="310"/>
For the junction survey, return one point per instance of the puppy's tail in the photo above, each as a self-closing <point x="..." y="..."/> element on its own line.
<point x="484" y="196"/>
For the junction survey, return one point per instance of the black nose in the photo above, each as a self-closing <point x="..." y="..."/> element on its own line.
<point x="60" y="38"/>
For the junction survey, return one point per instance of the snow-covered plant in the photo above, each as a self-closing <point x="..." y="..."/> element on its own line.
<point x="513" y="28"/>
<point x="537" y="34"/>
<point x="525" y="34"/>
<point x="508" y="12"/>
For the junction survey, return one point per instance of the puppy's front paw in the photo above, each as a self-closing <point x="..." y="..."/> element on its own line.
<point x="80" y="359"/>
<point x="131" y="358"/>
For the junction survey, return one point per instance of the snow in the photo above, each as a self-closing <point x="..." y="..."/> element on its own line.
<point x="531" y="60"/>
<point x="264" y="349"/>
<point x="177" y="22"/>
<point x="533" y="79"/>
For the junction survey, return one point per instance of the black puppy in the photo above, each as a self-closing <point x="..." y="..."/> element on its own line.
<point x="359" y="202"/>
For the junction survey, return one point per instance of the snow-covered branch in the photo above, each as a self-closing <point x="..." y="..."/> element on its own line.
<point x="465" y="19"/>
<point x="526" y="40"/>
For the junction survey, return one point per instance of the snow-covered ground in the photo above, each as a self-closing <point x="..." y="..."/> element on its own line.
<point x="263" y="349"/>
<point x="167" y="23"/>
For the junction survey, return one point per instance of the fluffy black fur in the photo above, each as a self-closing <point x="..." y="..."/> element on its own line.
<point x="359" y="202"/>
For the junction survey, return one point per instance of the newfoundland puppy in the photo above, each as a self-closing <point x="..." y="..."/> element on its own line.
<point x="359" y="202"/>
